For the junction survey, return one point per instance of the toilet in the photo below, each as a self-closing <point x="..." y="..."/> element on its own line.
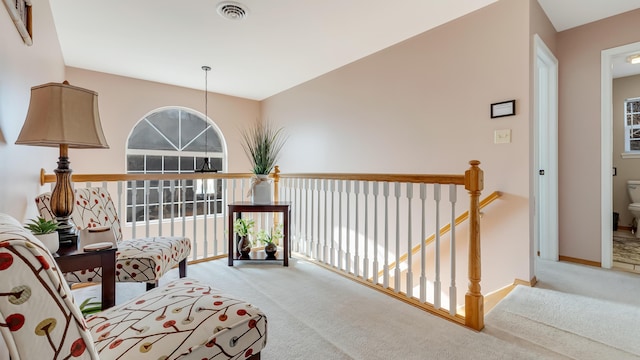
<point x="633" y="187"/>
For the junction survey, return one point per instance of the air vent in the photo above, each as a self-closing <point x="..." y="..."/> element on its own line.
<point x="232" y="10"/>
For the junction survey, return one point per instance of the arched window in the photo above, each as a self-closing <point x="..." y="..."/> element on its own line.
<point x="172" y="141"/>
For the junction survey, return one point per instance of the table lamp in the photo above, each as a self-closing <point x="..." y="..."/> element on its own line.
<point x="65" y="116"/>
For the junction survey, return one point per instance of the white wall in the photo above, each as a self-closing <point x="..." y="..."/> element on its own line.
<point x="22" y="67"/>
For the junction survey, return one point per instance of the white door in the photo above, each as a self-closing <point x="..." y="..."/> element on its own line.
<point x="546" y="152"/>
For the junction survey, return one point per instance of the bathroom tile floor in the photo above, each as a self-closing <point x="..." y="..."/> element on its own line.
<point x="626" y="251"/>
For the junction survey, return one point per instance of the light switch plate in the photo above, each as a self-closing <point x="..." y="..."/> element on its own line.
<point x="502" y="136"/>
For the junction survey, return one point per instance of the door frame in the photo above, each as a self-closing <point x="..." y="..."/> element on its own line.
<point x="545" y="114"/>
<point x="606" y="150"/>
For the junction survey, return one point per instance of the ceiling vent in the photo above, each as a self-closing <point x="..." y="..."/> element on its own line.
<point x="232" y="10"/>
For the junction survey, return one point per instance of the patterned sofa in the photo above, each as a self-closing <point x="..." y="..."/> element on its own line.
<point x="137" y="260"/>
<point x="184" y="319"/>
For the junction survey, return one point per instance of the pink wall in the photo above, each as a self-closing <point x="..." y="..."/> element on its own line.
<point x="22" y="67"/>
<point x="124" y="101"/>
<point x="579" y="51"/>
<point x="422" y="106"/>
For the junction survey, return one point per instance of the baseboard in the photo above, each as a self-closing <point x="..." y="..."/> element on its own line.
<point x="625" y="228"/>
<point x="580" y="261"/>
<point x="530" y="283"/>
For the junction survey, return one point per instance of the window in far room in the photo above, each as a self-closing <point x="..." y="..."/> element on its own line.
<point x="172" y="141"/>
<point x="632" y="125"/>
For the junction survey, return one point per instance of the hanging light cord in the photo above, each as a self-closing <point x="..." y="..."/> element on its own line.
<point x="205" y="166"/>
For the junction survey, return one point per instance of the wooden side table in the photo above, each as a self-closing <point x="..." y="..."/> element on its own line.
<point x="279" y="206"/>
<point x="73" y="259"/>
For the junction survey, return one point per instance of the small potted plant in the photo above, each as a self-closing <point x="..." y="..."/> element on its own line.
<point x="262" y="143"/>
<point x="88" y="307"/>
<point x="242" y="228"/>
<point x="270" y="240"/>
<point x="45" y="231"/>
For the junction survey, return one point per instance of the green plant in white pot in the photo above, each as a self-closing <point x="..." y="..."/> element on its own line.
<point x="45" y="231"/>
<point x="262" y="143"/>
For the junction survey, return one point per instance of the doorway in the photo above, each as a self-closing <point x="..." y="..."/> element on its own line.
<point x="545" y="152"/>
<point x="606" y="105"/>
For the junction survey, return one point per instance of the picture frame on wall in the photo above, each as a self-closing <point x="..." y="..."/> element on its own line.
<point x="20" y="12"/>
<point x="504" y="108"/>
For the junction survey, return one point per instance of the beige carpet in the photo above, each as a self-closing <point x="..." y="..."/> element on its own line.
<point x="316" y="314"/>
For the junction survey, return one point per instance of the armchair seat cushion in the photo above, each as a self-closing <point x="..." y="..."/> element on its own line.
<point x="183" y="317"/>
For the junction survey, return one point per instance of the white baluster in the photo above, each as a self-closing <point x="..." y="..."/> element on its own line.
<point x="423" y="237"/>
<point x="453" y="195"/>
<point x="375" y="232"/>
<point x="296" y="214"/>
<point x="195" y="219"/>
<point x="365" y="266"/>
<point x="119" y="208"/>
<point x="312" y="240"/>
<point x="397" y="275"/>
<point x="225" y="225"/>
<point x="385" y="278"/>
<point x="409" y="244"/>
<point x="340" y="248"/>
<point x="146" y="208"/>
<point x="215" y="217"/>
<point x="325" y="258"/>
<point x="205" y="233"/>
<point x="160" y="205"/>
<point x="318" y="249"/>
<point x="333" y="199"/>
<point x="436" y="284"/>
<point x="134" y="205"/>
<point x="172" y="191"/>
<point x="348" y="208"/>
<point x="183" y="190"/>
<point x="356" y="259"/>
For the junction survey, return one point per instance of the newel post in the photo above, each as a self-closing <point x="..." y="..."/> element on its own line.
<point x="276" y="193"/>
<point x="474" y="301"/>
<point x="276" y="185"/>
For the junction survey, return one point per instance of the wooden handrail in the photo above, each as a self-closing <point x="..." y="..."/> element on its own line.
<point x="51" y="178"/>
<point x="445" y="229"/>
<point x="407" y="178"/>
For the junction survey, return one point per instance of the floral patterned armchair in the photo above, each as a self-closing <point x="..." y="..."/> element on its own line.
<point x="184" y="319"/>
<point x="137" y="260"/>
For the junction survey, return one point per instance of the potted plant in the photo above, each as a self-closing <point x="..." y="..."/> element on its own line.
<point x="270" y="240"/>
<point x="262" y="143"/>
<point x="45" y="231"/>
<point x="242" y="228"/>
<point x="88" y="307"/>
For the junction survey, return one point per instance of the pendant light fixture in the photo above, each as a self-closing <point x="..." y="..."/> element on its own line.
<point x="206" y="167"/>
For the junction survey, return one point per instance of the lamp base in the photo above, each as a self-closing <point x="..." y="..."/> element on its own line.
<point x="67" y="236"/>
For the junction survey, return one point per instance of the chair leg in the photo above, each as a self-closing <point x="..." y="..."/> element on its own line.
<point x="151" y="285"/>
<point x="182" y="268"/>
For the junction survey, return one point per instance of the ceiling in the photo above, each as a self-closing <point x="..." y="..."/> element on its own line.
<point x="280" y="43"/>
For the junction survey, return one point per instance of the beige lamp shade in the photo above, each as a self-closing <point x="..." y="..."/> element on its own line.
<point x="62" y="114"/>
